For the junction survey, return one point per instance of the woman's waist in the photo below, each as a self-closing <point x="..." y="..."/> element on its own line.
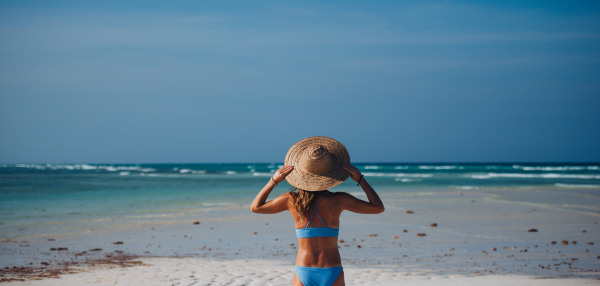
<point x="318" y="244"/>
<point x="321" y="259"/>
<point x="318" y="252"/>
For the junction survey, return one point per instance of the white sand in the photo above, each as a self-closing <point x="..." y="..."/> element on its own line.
<point x="199" y="272"/>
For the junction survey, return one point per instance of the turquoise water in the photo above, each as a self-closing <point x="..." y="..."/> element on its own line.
<point x="36" y="199"/>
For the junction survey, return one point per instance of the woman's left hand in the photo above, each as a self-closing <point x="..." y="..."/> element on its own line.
<point x="354" y="172"/>
<point x="282" y="173"/>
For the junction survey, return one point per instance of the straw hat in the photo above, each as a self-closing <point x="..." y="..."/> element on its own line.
<point x="317" y="163"/>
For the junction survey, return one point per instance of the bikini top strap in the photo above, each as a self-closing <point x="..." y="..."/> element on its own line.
<point x="315" y="212"/>
<point x="311" y="216"/>
<point x="322" y="220"/>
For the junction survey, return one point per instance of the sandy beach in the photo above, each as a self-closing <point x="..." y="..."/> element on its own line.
<point x="194" y="271"/>
<point x="463" y="237"/>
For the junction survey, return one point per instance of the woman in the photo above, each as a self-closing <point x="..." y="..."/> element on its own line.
<point x="314" y="165"/>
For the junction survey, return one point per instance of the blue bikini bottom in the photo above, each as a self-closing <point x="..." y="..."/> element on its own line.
<point x="313" y="276"/>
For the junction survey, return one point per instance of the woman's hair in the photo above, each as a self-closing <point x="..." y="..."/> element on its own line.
<point x="303" y="201"/>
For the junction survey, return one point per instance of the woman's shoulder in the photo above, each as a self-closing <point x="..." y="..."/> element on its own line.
<point x="285" y="196"/>
<point x="338" y="201"/>
<point x="338" y="196"/>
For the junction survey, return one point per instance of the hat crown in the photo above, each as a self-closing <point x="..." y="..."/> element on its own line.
<point x="317" y="163"/>
<point x="316" y="159"/>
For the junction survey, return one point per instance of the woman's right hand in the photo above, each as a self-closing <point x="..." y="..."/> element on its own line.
<point x="354" y="172"/>
<point x="280" y="175"/>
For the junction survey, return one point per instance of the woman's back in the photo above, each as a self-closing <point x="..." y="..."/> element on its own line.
<point x="324" y="217"/>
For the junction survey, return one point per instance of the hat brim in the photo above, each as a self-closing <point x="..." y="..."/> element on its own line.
<point x="305" y="180"/>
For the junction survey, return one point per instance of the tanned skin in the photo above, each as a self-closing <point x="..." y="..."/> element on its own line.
<point x="319" y="251"/>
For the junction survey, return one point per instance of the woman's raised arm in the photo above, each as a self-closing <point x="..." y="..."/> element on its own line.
<point x="349" y="202"/>
<point x="277" y="205"/>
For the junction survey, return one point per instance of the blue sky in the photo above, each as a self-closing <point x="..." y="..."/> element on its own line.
<point x="241" y="81"/>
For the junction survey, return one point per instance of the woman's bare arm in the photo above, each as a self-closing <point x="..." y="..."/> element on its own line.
<point x="349" y="202"/>
<point x="277" y="205"/>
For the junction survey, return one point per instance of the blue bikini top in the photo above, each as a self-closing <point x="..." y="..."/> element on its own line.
<point x="317" y="231"/>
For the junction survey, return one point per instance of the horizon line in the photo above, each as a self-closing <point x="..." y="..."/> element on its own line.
<point x="361" y="163"/>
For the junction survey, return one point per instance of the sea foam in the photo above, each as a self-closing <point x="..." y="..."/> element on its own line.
<point x="577" y="186"/>
<point x="397" y="175"/>
<point x="544" y="176"/>
<point x="440" y="167"/>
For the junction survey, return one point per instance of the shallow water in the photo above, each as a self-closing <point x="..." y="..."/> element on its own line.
<point x="39" y="199"/>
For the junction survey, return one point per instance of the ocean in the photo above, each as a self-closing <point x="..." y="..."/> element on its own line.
<point x="54" y="199"/>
